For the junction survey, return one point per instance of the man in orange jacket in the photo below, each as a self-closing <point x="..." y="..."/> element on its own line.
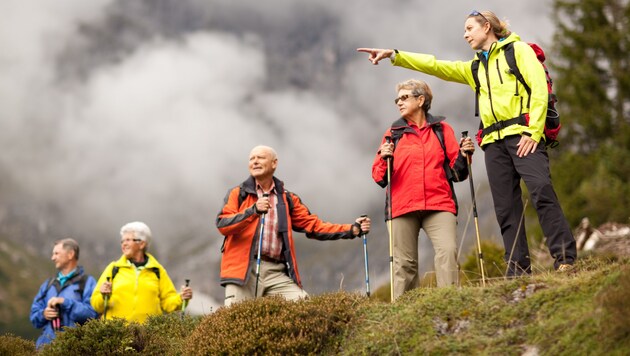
<point x="240" y="220"/>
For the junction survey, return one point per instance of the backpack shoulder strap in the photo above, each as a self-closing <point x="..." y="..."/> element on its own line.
<point x="397" y="133"/>
<point x="51" y="280"/>
<point x="450" y="177"/>
<point x="156" y="270"/>
<point x="242" y="194"/>
<point x="474" y="67"/>
<point x="289" y="200"/>
<point x="510" y="58"/>
<point x="82" y="281"/>
<point x="439" y="132"/>
<point x="397" y="129"/>
<point x="49" y="283"/>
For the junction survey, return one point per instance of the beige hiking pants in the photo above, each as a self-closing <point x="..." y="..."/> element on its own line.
<point x="440" y="227"/>
<point x="273" y="281"/>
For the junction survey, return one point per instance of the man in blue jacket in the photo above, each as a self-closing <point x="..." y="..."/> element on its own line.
<point x="63" y="300"/>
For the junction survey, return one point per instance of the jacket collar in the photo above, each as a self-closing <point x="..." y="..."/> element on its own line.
<point x="249" y="185"/>
<point x="431" y="120"/>
<point x="124" y="262"/>
<point x="513" y="37"/>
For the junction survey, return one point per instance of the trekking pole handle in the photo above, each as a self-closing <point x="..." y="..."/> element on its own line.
<point x="363" y="216"/>
<point x="185" y="302"/>
<point x="465" y="135"/>
<point x="265" y="195"/>
<point x="107" y="295"/>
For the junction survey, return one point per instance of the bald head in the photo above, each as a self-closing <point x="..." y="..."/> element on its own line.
<point x="265" y="149"/>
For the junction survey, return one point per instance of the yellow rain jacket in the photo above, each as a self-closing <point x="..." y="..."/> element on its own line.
<point x="137" y="292"/>
<point x="497" y="99"/>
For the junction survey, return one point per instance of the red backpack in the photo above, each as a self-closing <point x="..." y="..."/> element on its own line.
<point x="552" y="121"/>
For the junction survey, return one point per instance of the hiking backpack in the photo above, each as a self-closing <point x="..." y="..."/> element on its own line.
<point x="552" y="121"/>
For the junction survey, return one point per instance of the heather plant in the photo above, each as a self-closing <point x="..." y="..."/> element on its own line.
<point x="166" y="334"/>
<point x="15" y="346"/>
<point x="96" y="337"/>
<point x="275" y="326"/>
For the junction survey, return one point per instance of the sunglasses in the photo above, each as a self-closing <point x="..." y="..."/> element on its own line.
<point x="477" y="13"/>
<point x="404" y="98"/>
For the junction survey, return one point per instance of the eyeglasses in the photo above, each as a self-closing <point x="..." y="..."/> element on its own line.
<point x="404" y="97"/>
<point x="477" y="13"/>
<point x="130" y="240"/>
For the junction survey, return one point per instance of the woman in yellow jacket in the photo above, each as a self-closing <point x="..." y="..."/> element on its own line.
<point x="513" y="122"/>
<point x="136" y="286"/>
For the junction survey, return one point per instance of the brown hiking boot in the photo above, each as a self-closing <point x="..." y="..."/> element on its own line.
<point x="565" y="268"/>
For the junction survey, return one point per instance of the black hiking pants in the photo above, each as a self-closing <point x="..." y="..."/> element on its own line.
<point x="505" y="171"/>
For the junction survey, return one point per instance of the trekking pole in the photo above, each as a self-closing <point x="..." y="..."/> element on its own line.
<point x="365" y="254"/>
<point x="388" y="139"/>
<point x="260" y="238"/>
<point x="185" y="302"/>
<point x="106" y="301"/>
<point x="474" y="204"/>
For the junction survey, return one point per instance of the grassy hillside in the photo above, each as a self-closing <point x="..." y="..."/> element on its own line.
<point x="586" y="311"/>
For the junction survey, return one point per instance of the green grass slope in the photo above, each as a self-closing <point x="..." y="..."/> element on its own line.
<point x="583" y="312"/>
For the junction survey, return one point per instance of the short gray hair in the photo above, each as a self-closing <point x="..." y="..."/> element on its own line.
<point x="418" y="87"/>
<point x="140" y="230"/>
<point x="69" y="244"/>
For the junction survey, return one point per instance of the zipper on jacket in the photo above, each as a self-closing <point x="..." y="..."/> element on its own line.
<point x="499" y="71"/>
<point x="486" y="64"/>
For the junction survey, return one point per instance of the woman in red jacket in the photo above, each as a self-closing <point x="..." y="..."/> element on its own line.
<point x="421" y="194"/>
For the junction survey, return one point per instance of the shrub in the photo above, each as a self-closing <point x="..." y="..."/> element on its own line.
<point x="383" y="293"/>
<point x="160" y="335"/>
<point x="95" y="337"/>
<point x="275" y="326"/>
<point x="16" y="346"/>
<point x="166" y="334"/>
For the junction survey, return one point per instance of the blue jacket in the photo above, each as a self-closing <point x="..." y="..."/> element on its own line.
<point x="76" y="307"/>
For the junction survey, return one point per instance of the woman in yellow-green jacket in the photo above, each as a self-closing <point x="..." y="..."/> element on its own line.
<point x="513" y="126"/>
<point x="138" y="285"/>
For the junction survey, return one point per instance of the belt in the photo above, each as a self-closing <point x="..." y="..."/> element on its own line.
<point x="270" y="259"/>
